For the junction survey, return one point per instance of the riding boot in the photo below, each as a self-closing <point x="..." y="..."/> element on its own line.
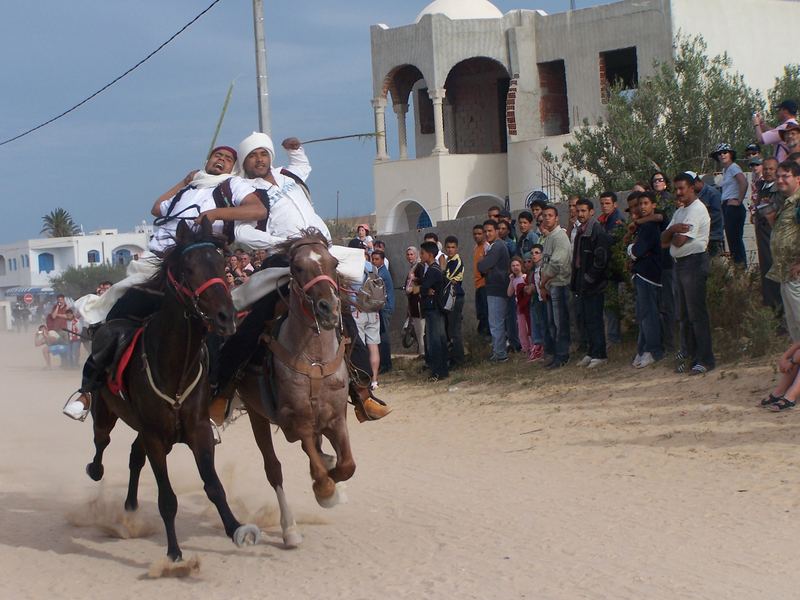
<point x="367" y="406"/>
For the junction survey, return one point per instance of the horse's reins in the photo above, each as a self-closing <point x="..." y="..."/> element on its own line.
<point x="183" y="291"/>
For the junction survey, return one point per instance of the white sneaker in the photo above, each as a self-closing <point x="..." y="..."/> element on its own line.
<point x="647" y="360"/>
<point x="74" y="409"/>
<point x="596" y="362"/>
<point x="637" y="361"/>
<point x="584" y="362"/>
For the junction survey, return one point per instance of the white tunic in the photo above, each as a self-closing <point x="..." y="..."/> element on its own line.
<point x="290" y="210"/>
<point x="193" y="202"/>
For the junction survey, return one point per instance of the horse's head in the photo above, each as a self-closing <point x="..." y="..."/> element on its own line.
<point x="314" y="280"/>
<point x="195" y="270"/>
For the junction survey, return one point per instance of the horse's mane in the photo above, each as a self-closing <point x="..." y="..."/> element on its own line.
<point x="171" y="256"/>
<point x="311" y="234"/>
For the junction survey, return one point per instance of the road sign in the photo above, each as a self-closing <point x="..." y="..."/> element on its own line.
<point x="28" y="298"/>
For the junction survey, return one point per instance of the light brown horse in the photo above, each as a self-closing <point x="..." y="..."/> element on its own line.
<point x="309" y="374"/>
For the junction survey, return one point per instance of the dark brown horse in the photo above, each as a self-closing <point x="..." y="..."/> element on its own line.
<point x="166" y="392"/>
<point x="309" y="375"/>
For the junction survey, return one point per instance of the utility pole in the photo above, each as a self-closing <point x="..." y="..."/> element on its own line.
<point x="261" y="67"/>
<point x="572" y="4"/>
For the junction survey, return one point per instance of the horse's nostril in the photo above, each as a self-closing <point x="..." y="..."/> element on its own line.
<point x="324" y="306"/>
<point x="222" y="317"/>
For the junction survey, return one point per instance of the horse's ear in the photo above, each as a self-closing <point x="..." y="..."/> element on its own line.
<point x="183" y="233"/>
<point x="205" y="227"/>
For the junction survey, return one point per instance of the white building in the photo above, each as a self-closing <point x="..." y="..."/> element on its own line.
<point x="26" y="267"/>
<point x="489" y="92"/>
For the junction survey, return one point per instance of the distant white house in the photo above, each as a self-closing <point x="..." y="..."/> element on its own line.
<point x="27" y="267"/>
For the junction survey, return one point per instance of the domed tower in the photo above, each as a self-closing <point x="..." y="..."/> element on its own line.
<point x="462" y="9"/>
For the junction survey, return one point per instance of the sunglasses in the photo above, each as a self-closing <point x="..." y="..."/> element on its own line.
<point x="658" y="180"/>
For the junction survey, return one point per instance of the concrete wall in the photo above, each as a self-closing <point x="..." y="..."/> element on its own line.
<point x="759" y="36"/>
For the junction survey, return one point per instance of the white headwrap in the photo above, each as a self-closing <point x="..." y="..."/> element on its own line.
<point x="252" y="142"/>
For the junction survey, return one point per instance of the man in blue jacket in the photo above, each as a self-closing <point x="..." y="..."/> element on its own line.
<point x="435" y="335"/>
<point x="494" y="267"/>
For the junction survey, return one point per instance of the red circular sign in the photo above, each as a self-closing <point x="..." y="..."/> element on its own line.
<point x="28" y="298"/>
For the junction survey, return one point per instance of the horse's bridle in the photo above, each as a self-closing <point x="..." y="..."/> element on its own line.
<point x="302" y="291"/>
<point x="185" y="292"/>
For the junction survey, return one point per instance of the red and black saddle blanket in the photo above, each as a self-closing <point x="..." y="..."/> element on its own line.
<point x="116" y="377"/>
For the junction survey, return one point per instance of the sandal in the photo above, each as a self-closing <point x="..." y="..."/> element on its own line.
<point x="771" y="400"/>
<point x="782" y="404"/>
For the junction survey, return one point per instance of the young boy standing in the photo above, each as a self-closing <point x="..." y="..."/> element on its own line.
<point x="454" y="273"/>
<point x="436" y="338"/>
<point x="646" y="255"/>
<point x="537" y="307"/>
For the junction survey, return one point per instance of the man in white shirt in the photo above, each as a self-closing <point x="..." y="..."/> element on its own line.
<point x="284" y="193"/>
<point x="687" y="239"/>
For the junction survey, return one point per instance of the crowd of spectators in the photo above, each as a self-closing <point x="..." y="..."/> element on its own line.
<point x="542" y="289"/>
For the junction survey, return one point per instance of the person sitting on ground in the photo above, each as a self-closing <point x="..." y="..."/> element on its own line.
<point x="784" y="395"/>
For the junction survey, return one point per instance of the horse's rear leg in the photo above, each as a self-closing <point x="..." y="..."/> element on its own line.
<point x="135" y="465"/>
<point x="103" y="421"/>
<point x="167" y="501"/>
<point x="272" y="467"/>
<point x="202" y="444"/>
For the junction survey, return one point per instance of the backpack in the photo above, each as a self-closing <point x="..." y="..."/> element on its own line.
<point x="372" y="295"/>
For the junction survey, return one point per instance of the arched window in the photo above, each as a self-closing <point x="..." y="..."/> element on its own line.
<point x="122" y="257"/>
<point x="25" y="262"/>
<point x="47" y="262"/>
<point x="93" y="257"/>
<point x="2" y="265"/>
<point x="13" y="264"/>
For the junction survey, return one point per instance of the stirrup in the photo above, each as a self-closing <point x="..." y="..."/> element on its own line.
<point x="84" y="412"/>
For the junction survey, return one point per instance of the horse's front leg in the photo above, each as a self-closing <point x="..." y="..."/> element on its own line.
<point x="103" y="421"/>
<point x="324" y="487"/>
<point x="201" y="442"/>
<point x="157" y="451"/>
<point x="135" y="465"/>
<point x="272" y="467"/>
<point x="340" y="440"/>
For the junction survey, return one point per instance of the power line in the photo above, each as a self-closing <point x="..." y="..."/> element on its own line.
<point x="108" y="85"/>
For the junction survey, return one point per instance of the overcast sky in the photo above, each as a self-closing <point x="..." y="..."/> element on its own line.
<point x="106" y="162"/>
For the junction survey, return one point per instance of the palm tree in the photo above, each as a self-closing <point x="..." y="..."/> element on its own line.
<point x="59" y="223"/>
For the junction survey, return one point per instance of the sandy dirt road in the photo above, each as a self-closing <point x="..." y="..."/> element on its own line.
<point x="568" y="485"/>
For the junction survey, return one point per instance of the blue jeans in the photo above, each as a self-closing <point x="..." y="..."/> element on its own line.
<point x="436" y="342"/>
<point x="647" y="296"/>
<point x="734" y="218"/>
<point x="498" y="307"/>
<point x="557" y="332"/>
<point x="538" y="321"/>
<point x="592" y="310"/>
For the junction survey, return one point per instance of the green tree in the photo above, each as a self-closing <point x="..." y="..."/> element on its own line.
<point x="59" y="223"/>
<point x="786" y="87"/>
<point x="75" y="282"/>
<point x="671" y="123"/>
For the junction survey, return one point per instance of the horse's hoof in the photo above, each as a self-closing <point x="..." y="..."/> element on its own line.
<point x="95" y="472"/>
<point x="246" y="535"/>
<point x="338" y="497"/>
<point x="292" y="537"/>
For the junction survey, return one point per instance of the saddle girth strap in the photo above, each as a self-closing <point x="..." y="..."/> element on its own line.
<point x="316" y="372"/>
